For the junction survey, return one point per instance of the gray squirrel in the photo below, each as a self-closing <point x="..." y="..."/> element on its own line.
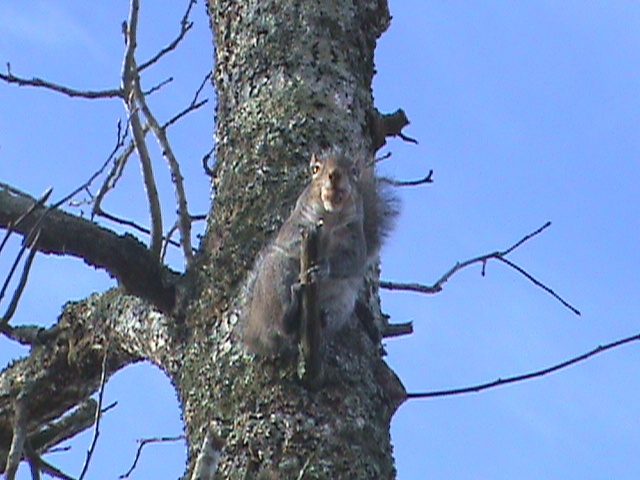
<point x="356" y="212"/>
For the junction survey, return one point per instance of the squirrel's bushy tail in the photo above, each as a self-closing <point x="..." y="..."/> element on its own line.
<point x="381" y="209"/>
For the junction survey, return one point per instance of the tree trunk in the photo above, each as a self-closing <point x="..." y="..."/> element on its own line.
<point x="292" y="77"/>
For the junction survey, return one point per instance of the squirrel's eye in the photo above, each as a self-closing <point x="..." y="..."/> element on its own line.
<point x="315" y="169"/>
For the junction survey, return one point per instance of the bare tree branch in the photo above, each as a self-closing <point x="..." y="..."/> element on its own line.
<point x="67" y="369"/>
<point x="410" y="183"/>
<point x="209" y="171"/>
<point x="19" y="436"/>
<point x="50" y="469"/>
<point x="157" y="87"/>
<point x="67" y="427"/>
<point x="144" y="442"/>
<point x="398" y="329"/>
<point x="527" y="376"/>
<point x="13" y="304"/>
<point x="140" y="228"/>
<point x="64" y="234"/>
<point x="185" y="26"/>
<point x="96" y="430"/>
<point x="310" y="366"/>
<point x="120" y="138"/>
<point x="184" y="222"/>
<point x="389" y="125"/>
<point x="120" y="162"/>
<point x="129" y="81"/>
<point x="483" y="259"/>
<point x="41" y="201"/>
<point x="34" y="468"/>
<point x="194" y="105"/>
<point x="71" y="92"/>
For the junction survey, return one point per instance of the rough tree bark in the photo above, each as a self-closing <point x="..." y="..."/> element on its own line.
<point x="292" y="77"/>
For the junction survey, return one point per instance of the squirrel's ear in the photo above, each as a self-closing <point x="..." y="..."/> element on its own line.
<point x="313" y="159"/>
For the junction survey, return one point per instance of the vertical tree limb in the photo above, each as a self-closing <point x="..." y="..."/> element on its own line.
<point x="310" y="319"/>
<point x="129" y="81"/>
<point x="19" y="437"/>
<point x="184" y="220"/>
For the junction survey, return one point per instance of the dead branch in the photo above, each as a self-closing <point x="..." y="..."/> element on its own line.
<point x="96" y="429"/>
<point x="67" y="427"/>
<point x="71" y="92"/>
<point x="122" y="256"/>
<point x="19" y="436"/>
<point x="185" y="26"/>
<point x="25" y="334"/>
<point x="47" y="468"/>
<point x="527" y="376"/>
<point x="144" y="442"/>
<point x="135" y="226"/>
<point x="67" y="369"/>
<point x="33" y="465"/>
<point x="482" y="259"/>
<point x="310" y="342"/>
<point x="410" y="183"/>
<point x="194" y="105"/>
<point x="398" y="329"/>
<point x="120" y="138"/>
<point x="41" y="201"/>
<point x="129" y="80"/>
<point x="184" y="222"/>
<point x="209" y="171"/>
<point x="157" y="87"/>
<point x="120" y="162"/>
<point x="13" y="304"/>
<point x="389" y="125"/>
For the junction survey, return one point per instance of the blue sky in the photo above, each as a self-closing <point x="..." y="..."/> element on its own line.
<point x="526" y="111"/>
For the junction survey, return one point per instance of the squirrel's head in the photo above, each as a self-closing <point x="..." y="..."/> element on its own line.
<point x="335" y="177"/>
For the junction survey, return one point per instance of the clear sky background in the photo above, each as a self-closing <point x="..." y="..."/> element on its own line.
<point x="526" y="111"/>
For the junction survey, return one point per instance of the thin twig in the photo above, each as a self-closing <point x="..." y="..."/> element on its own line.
<point x="483" y="259"/>
<point x="132" y="224"/>
<point x="114" y="175"/>
<point x="157" y="87"/>
<point x="185" y="26"/>
<point x="383" y="157"/>
<point x="526" y="376"/>
<point x="168" y="240"/>
<point x="410" y="183"/>
<point x="25" y="245"/>
<point x="96" y="430"/>
<point x="538" y="283"/>
<point x="120" y="138"/>
<point x="13" y="304"/>
<point x="209" y="171"/>
<point x="407" y="138"/>
<point x="194" y="105"/>
<point x="142" y="443"/>
<point x="71" y="92"/>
